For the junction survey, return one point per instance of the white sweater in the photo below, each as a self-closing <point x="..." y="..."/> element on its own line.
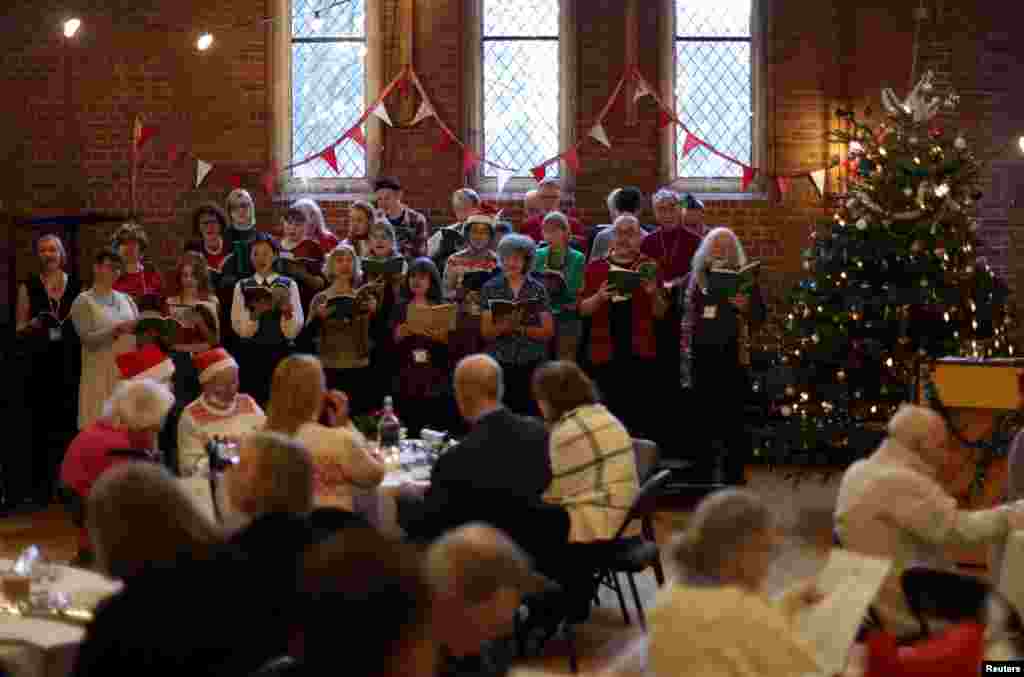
<point x="201" y="420"/>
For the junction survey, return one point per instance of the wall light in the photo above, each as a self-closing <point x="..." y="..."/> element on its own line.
<point x="204" y="42"/>
<point x="71" y="27"/>
<point x="1020" y="142"/>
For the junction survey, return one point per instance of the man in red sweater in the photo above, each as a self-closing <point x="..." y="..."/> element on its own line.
<point x="549" y="199"/>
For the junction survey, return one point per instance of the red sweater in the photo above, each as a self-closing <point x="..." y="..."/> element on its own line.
<point x="142" y="283"/>
<point x="673" y="249"/>
<point x="601" y="343"/>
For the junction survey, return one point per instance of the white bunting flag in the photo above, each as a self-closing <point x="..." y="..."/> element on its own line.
<point x="818" y="177"/>
<point x="202" y="169"/>
<point x="425" y="111"/>
<point x="600" y="135"/>
<point x="503" y="177"/>
<point x="382" y="112"/>
<point x="642" y="90"/>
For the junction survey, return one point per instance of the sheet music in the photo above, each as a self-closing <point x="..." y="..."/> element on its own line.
<point x="849" y="583"/>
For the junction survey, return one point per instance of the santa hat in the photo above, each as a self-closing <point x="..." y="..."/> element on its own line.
<point x="146" y="362"/>
<point x="212" y="362"/>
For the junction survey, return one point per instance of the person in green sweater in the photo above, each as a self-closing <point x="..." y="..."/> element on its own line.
<point x="562" y="269"/>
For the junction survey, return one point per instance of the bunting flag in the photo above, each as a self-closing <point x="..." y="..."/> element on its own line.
<point x="572" y="159"/>
<point x="470" y="160"/>
<point x="425" y="111"/>
<point x="403" y="86"/>
<point x="642" y="90"/>
<point x="381" y="112"/>
<point x="202" y="169"/>
<point x="691" y="143"/>
<point x="146" y="133"/>
<point x="236" y="180"/>
<point x="173" y="153"/>
<point x="664" y="119"/>
<point x="503" y="177"/>
<point x="818" y="177"/>
<point x="783" y="183"/>
<point x="446" y="140"/>
<point x="356" y="134"/>
<point x="331" y="158"/>
<point x="269" y="178"/>
<point x="539" y="172"/>
<point x="598" y="133"/>
<point x="748" y="175"/>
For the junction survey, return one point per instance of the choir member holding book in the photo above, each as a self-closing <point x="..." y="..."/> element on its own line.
<point x="144" y="286"/>
<point x="51" y="344"/>
<point x="266" y="315"/>
<point x="719" y="306"/>
<point x="517" y="318"/>
<point x="448" y="240"/>
<point x="210" y="226"/>
<point x="316" y="225"/>
<point x="465" y="274"/>
<point x="422" y="326"/>
<point x="383" y="270"/>
<point x="339" y="328"/>
<point x="621" y="298"/>
<point x="561" y="268"/>
<point x="302" y="256"/>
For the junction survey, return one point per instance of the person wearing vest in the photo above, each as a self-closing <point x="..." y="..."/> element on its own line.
<point x="267" y="329"/>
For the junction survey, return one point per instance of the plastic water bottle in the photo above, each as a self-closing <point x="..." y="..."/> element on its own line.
<point x="389" y="430"/>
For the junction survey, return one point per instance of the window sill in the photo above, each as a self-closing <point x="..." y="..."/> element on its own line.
<point x="328" y="190"/>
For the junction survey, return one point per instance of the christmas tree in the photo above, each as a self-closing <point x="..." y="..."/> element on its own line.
<point x="894" y="279"/>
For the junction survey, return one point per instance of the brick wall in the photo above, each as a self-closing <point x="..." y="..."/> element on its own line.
<point x="821" y="54"/>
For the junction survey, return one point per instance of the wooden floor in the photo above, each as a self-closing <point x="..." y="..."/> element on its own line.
<point x="804" y="508"/>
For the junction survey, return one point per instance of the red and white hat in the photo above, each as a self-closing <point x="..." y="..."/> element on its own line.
<point x="146" y="362"/>
<point x="212" y="362"/>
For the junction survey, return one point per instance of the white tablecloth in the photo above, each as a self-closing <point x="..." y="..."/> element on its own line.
<point x="34" y="647"/>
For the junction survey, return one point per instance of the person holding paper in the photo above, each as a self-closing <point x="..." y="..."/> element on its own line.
<point x="422" y="381"/>
<point x="714" y="351"/>
<point x="562" y="270"/>
<point x="891" y="506"/>
<point x="622" y="350"/>
<point x="714" y="617"/>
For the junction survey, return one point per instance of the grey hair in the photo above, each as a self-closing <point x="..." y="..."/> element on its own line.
<point x="472" y="563"/>
<point x="737" y="257"/>
<point x="50" y="237"/>
<point x="464" y="196"/>
<point x="357" y="266"/>
<point x="611" y="201"/>
<point x="139" y="404"/>
<point x="665" y="194"/>
<point x="722" y="523"/>
<point x="560" y="218"/>
<point x="514" y="243"/>
<point x="314" y="215"/>
<point x="285" y="471"/>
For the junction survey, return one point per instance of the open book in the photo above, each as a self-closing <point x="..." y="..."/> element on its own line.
<point x="849" y="583"/>
<point x="149" y="303"/>
<point x="727" y="282"/>
<point x="554" y="280"/>
<point x="375" y="266"/>
<point x="440" y="318"/>
<point x="255" y="294"/>
<point x="520" y="312"/>
<point x="305" y="258"/>
<point x="626" y="281"/>
<point x="348" y="306"/>
<point x="475" y="280"/>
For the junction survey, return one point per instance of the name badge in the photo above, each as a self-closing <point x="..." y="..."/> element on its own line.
<point x="710" y="312"/>
<point x="55" y="334"/>
<point x="420" y="356"/>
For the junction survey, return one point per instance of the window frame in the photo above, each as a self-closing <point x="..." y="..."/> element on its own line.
<point x="672" y="136"/>
<point x="473" y="113"/>
<point x="280" y="93"/>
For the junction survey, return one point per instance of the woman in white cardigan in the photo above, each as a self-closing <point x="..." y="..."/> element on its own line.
<point x="344" y="465"/>
<point x="593" y="468"/>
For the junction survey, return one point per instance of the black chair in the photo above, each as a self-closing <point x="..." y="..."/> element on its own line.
<point x="949" y="596"/>
<point x="633" y="555"/>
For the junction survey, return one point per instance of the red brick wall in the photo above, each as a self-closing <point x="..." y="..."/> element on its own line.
<point x="822" y="53"/>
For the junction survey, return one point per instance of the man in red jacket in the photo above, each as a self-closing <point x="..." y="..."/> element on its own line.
<point x="549" y="199"/>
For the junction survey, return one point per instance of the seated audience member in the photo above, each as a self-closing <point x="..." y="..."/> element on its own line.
<point x="422" y="378"/>
<point x="148" y="362"/>
<point x="621" y="201"/>
<point x="410" y="227"/>
<point x="562" y="269"/>
<point x="715" y="353"/>
<point x="732" y="629"/>
<point x="549" y="199"/>
<point x="450" y="239"/>
<point x="478" y="260"/>
<point x="891" y="506"/>
<point x="131" y="420"/>
<point x="521" y="336"/>
<point x="139" y="517"/>
<point x="622" y="344"/>
<point x="343" y="463"/>
<point x="592" y="460"/>
<point x="503" y="455"/>
<point x="360" y="216"/>
<point x="266" y="328"/>
<point x="220" y="412"/>
<point x="480" y="578"/>
<point x="144" y="286"/>
<point x="382" y="584"/>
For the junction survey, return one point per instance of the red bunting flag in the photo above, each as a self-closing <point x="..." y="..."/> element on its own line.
<point x="572" y="159"/>
<point x="356" y="134"/>
<point x="146" y="133"/>
<point x="403" y="85"/>
<point x="470" y="160"/>
<point x="664" y="119"/>
<point x="783" y="183"/>
<point x="748" y="175"/>
<point x="236" y="180"/>
<point x="269" y="178"/>
<point x="331" y="158"/>
<point x="173" y="153"/>
<point x="446" y="140"/>
<point x="539" y="172"/>
<point x="691" y="143"/>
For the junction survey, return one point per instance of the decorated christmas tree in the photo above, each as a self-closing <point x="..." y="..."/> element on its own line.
<point x="894" y="279"/>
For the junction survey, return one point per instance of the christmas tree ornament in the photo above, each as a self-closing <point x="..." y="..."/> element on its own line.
<point x="786" y="410"/>
<point x="912" y="141"/>
<point x="960" y="143"/>
<point x="862" y="224"/>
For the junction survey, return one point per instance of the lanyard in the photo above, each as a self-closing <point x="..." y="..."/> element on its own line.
<point x="55" y="306"/>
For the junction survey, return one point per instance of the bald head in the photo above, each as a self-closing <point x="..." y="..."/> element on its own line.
<point x="478" y="385"/>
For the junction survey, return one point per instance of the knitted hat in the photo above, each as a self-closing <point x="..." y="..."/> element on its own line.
<point x="146" y="362"/>
<point x="212" y="362"/>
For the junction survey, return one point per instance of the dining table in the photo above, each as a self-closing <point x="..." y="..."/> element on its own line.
<point x="45" y="645"/>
